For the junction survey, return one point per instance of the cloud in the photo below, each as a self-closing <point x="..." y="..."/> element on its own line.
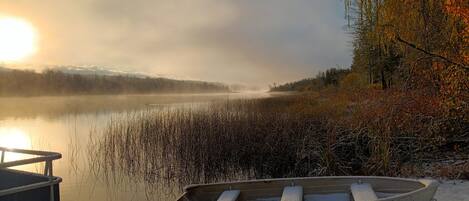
<point x="234" y="41"/>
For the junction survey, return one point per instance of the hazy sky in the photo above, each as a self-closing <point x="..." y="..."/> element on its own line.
<point x="233" y="41"/>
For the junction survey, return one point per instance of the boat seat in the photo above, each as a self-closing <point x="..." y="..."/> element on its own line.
<point x="363" y="192"/>
<point x="292" y="193"/>
<point x="231" y="195"/>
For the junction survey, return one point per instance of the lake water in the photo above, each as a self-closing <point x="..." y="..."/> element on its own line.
<point x="66" y="125"/>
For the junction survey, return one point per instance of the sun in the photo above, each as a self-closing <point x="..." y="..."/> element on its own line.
<point x="18" y="39"/>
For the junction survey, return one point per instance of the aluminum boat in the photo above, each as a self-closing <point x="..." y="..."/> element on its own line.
<point x="340" y="188"/>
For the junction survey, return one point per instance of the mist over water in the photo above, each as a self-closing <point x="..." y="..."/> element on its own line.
<point x="74" y="125"/>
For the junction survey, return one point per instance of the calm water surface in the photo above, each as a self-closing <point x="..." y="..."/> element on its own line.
<point x="66" y="125"/>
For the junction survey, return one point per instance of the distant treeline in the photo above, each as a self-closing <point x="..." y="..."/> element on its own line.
<point x="49" y="82"/>
<point x="331" y="77"/>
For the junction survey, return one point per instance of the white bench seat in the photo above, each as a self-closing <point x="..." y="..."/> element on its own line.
<point x="363" y="192"/>
<point x="292" y="193"/>
<point x="231" y="195"/>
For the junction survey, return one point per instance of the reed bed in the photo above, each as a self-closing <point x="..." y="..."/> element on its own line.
<point x="245" y="139"/>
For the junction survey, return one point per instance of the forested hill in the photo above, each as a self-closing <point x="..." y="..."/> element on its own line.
<point x="49" y="82"/>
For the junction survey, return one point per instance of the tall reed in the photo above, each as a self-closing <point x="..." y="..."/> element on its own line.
<point x="243" y="139"/>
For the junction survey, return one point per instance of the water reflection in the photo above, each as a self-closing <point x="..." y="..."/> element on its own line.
<point x="58" y="107"/>
<point x="68" y="124"/>
<point x="14" y="138"/>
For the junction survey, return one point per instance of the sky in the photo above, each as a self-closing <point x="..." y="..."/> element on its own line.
<point x="253" y="42"/>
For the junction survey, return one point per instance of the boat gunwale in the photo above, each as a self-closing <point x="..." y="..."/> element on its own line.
<point x="428" y="183"/>
<point x="191" y="186"/>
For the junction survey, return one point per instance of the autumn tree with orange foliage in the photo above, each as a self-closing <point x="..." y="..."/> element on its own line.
<point x="418" y="44"/>
<point x="460" y="9"/>
<point x="406" y="96"/>
<point x="419" y="50"/>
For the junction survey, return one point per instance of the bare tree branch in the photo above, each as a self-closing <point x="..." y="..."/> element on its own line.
<point x="430" y="53"/>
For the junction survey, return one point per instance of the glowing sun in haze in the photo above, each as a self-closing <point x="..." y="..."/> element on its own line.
<point x="18" y="39"/>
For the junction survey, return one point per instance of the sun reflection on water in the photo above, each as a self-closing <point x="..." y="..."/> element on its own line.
<point x="14" y="138"/>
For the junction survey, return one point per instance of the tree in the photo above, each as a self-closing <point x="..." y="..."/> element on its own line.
<point x="422" y="43"/>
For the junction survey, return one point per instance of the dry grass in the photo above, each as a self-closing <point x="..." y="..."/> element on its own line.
<point x="309" y="135"/>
